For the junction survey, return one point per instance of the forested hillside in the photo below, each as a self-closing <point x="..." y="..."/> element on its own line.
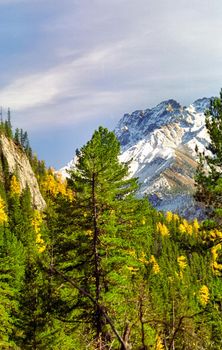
<point x="98" y="268"/>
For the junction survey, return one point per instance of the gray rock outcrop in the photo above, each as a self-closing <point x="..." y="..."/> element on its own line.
<point x="18" y="163"/>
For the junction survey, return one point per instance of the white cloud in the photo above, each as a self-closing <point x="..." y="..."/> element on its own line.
<point x="118" y="55"/>
<point x="72" y="79"/>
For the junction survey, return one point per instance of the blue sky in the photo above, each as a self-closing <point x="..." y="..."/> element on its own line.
<point x="69" y="66"/>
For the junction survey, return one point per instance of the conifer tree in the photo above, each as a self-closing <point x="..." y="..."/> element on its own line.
<point x="106" y="221"/>
<point x="8" y="125"/>
<point x="12" y="265"/>
<point x="209" y="173"/>
<point x="17" y="136"/>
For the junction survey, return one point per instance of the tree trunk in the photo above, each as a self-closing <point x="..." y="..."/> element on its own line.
<point x="125" y="337"/>
<point x="98" y="314"/>
<point x="144" y="347"/>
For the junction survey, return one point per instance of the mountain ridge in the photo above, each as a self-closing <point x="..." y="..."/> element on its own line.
<point x="162" y="151"/>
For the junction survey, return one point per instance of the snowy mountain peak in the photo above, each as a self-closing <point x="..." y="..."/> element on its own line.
<point x="160" y="144"/>
<point x="168" y="106"/>
<point x="135" y="126"/>
<point x="138" y="125"/>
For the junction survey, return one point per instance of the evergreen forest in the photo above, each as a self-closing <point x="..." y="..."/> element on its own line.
<point x="100" y="269"/>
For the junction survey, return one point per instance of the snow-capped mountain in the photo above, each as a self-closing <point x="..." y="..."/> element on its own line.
<point x="65" y="170"/>
<point x="161" y="146"/>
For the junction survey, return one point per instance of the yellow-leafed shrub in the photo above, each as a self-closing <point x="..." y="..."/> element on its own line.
<point x="3" y="215"/>
<point x="15" y="187"/>
<point x="169" y="216"/>
<point x="216" y="267"/>
<point x="159" y="343"/>
<point x="143" y="259"/>
<point x="204" y="295"/>
<point x="55" y="185"/>
<point x="37" y="222"/>
<point x="182" y="262"/>
<point x="186" y="228"/>
<point x="196" y="226"/>
<point x="156" y="268"/>
<point x="162" y="229"/>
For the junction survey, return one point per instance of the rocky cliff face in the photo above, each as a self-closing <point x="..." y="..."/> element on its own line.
<point x="19" y="163"/>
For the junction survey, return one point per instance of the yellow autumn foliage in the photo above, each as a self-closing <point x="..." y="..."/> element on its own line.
<point x="132" y="252"/>
<point x="204" y="295"/>
<point x="216" y="267"/>
<point x="3" y="215"/>
<point x="143" y="221"/>
<point x="162" y="229"/>
<point x="215" y="234"/>
<point x="39" y="239"/>
<point x="196" y="226"/>
<point x="15" y="188"/>
<point x="156" y="268"/>
<point x="159" y="343"/>
<point x="176" y="217"/>
<point x="214" y="251"/>
<point x="186" y="228"/>
<point x="143" y="259"/>
<point x="69" y="194"/>
<point x="55" y="185"/>
<point x="89" y="233"/>
<point x="169" y="216"/>
<point x="182" y="228"/>
<point x="182" y="262"/>
<point x="37" y="221"/>
<point x="132" y="269"/>
<point x="41" y="249"/>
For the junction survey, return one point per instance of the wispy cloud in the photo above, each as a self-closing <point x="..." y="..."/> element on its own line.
<point x="64" y="80"/>
<point x="83" y="61"/>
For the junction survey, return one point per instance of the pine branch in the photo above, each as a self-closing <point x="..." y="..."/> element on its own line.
<point x="177" y="329"/>
<point x="100" y="307"/>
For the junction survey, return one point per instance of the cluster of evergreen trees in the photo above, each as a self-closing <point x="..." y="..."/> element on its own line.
<point x="101" y="269"/>
<point x="21" y="139"/>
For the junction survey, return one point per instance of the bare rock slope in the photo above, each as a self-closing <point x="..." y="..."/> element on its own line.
<point x="19" y="163"/>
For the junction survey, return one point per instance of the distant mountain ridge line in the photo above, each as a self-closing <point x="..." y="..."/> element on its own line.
<point x="168" y="108"/>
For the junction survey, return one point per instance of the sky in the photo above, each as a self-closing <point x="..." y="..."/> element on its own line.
<point x="67" y="67"/>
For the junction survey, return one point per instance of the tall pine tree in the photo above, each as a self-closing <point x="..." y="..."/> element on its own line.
<point x="105" y="222"/>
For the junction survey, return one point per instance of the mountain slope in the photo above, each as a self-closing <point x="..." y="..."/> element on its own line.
<point x="160" y="146"/>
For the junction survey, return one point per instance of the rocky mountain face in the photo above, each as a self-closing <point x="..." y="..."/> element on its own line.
<point x="160" y="145"/>
<point x="18" y="163"/>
